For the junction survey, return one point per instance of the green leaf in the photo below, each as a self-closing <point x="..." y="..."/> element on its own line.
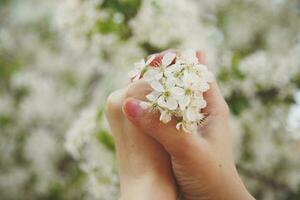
<point x="5" y="120"/>
<point x="128" y="7"/>
<point x="247" y="152"/>
<point x="296" y="80"/>
<point x="106" y="139"/>
<point x="9" y="64"/>
<point x="237" y="102"/>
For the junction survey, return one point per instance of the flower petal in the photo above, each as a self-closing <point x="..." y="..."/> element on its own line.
<point x="171" y="103"/>
<point x="201" y="86"/>
<point x="151" y="75"/>
<point x="140" y="65"/>
<point x="201" y="67"/>
<point x="178" y="125"/>
<point x="161" y="102"/>
<point x="165" y="117"/>
<point x="190" y="127"/>
<point x="168" y="59"/>
<point x="209" y="77"/>
<point x="177" y="91"/>
<point x="157" y="86"/>
<point x="158" y="75"/>
<point x="190" y="56"/>
<point x="190" y="114"/>
<point x="199" y="103"/>
<point x="170" y="82"/>
<point x="150" y="59"/>
<point x="173" y="68"/>
<point x="184" y="102"/>
<point x="153" y="96"/>
<point x="133" y="73"/>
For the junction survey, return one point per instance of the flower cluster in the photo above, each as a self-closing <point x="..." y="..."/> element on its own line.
<point x="178" y="82"/>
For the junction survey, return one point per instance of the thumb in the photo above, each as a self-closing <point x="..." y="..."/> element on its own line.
<point x="177" y="143"/>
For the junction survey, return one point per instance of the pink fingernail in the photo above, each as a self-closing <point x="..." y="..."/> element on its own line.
<point x="132" y="108"/>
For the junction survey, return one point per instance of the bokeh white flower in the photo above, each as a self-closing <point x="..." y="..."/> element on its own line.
<point x="60" y="59"/>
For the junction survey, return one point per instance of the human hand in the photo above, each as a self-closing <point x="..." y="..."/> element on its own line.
<point x="203" y="164"/>
<point x="144" y="165"/>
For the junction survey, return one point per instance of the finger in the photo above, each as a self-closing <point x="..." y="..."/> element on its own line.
<point x="216" y="104"/>
<point x="114" y="102"/>
<point x="177" y="143"/>
<point x="201" y="57"/>
<point x="138" y="89"/>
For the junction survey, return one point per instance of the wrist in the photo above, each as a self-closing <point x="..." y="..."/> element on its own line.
<point x="232" y="187"/>
<point x="149" y="187"/>
<point x="238" y="190"/>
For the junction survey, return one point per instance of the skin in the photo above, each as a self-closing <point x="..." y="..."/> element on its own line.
<point x="144" y="165"/>
<point x="154" y="157"/>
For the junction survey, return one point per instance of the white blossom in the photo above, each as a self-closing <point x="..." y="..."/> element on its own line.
<point x="140" y="68"/>
<point x="178" y="84"/>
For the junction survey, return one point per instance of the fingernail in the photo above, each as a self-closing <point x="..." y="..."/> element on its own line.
<point x="201" y="57"/>
<point x="133" y="108"/>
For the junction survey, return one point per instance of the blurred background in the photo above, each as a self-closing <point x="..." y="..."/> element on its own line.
<point x="60" y="59"/>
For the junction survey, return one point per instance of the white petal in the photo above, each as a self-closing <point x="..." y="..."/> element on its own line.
<point x="153" y="96"/>
<point x="168" y="59"/>
<point x="187" y="80"/>
<point x="190" y="56"/>
<point x="171" y="103"/>
<point x="177" y="91"/>
<point x="141" y="64"/>
<point x="185" y="128"/>
<point x="178" y="125"/>
<point x="202" y="86"/>
<point x="165" y="117"/>
<point x="190" y="128"/>
<point x="151" y="58"/>
<point x="199" y="103"/>
<point x="170" y="82"/>
<point x="133" y="73"/>
<point x="193" y="77"/>
<point x="150" y="75"/>
<point x="179" y="82"/>
<point x="157" y="86"/>
<point x="184" y="102"/>
<point x="173" y="68"/>
<point x="158" y="75"/>
<point x="191" y="115"/>
<point x="201" y="67"/>
<point x="209" y="77"/>
<point x="161" y="102"/>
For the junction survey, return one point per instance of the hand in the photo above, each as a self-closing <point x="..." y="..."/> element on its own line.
<point x="203" y="164"/>
<point x="144" y="165"/>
